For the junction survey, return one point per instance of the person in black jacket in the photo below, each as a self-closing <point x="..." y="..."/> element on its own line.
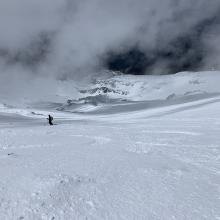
<point x="50" y="119"/>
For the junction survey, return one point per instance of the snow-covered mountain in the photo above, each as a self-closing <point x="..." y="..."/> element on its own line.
<point x="124" y="147"/>
<point x="150" y="91"/>
<point x="129" y="141"/>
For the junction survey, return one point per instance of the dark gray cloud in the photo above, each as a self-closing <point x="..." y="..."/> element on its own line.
<point x="64" y="38"/>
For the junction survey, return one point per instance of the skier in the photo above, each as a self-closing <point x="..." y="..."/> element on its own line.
<point x="50" y="119"/>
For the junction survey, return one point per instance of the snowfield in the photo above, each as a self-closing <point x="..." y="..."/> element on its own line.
<point x="153" y="154"/>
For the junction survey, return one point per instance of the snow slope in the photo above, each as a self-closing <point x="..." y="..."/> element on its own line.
<point x="150" y="157"/>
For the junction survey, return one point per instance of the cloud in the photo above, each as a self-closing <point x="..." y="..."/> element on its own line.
<point x="70" y="38"/>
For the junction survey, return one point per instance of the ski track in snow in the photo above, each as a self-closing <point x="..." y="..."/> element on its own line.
<point x="159" y="163"/>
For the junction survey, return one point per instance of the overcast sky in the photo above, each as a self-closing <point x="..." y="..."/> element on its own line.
<point x="68" y="37"/>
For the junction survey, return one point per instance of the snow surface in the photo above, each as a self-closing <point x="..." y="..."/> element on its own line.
<point x="155" y="156"/>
